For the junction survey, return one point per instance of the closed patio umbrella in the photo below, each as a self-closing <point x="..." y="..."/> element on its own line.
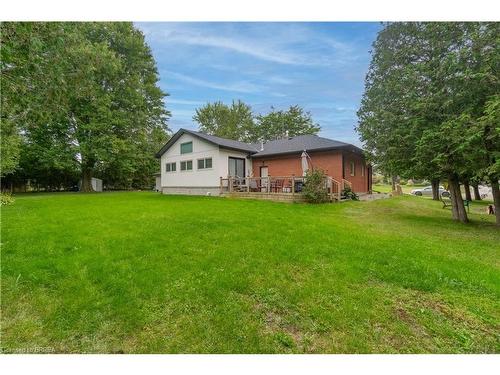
<point x="305" y="164"/>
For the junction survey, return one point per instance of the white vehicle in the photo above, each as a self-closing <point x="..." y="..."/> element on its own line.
<point x="485" y="192"/>
<point x="428" y="191"/>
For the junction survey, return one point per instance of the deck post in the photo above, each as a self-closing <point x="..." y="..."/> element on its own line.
<point x="220" y="184"/>
<point x="293" y="185"/>
<point x="230" y="184"/>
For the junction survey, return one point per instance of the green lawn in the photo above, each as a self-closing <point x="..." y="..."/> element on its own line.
<point x="144" y="272"/>
<point x="387" y="188"/>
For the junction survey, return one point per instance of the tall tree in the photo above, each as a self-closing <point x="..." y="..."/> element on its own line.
<point x="278" y="124"/>
<point x="238" y="122"/>
<point x="10" y="142"/>
<point x="387" y="125"/>
<point x="29" y="82"/>
<point x="484" y="140"/>
<point x="233" y="122"/>
<point x="427" y="85"/>
<point x="92" y="87"/>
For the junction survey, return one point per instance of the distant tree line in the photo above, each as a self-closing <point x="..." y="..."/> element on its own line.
<point x="79" y="100"/>
<point x="431" y="106"/>
<point x="237" y="121"/>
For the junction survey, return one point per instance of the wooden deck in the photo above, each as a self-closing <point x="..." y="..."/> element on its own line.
<point x="276" y="188"/>
<point x="278" y="197"/>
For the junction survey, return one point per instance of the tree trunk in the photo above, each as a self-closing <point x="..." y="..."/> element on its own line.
<point x="435" y="189"/>
<point x="86" y="180"/>
<point x="477" y="195"/>
<point x="496" y="198"/>
<point x="393" y="180"/>
<point x="457" y="203"/>
<point x="467" y="190"/>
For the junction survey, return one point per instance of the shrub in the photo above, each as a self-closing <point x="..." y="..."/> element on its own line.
<point x="347" y="193"/>
<point x="6" y="199"/>
<point x="315" y="190"/>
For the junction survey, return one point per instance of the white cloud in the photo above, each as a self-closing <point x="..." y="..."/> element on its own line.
<point x="184" y="102"/>
<point x="280" y="80"/>
<point x="242" y="86"/>
<point x="266" y="42"/>
<point x="240" y="45"/>
<point x="278" y="94"/>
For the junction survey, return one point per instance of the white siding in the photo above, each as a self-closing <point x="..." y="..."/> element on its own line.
<point x="224" y="165"/>
<point x="195" y="177"/>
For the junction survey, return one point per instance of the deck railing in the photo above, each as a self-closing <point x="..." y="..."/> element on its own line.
<point x="345" y="184"/>
<point x="289" y="185"/>
<point x="268" y="185"/>
<point x="333" y="188"/>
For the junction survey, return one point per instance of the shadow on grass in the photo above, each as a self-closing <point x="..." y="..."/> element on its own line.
<point x="475" y="221"/>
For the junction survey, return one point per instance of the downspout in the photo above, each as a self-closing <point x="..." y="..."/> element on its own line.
<point x="343" y="167"/>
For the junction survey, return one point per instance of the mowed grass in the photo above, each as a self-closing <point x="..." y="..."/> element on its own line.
<point x="149" y="273"/>
<point x="406" y="189"/>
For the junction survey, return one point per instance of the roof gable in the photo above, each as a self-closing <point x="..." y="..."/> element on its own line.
<point x="221" y="142"/>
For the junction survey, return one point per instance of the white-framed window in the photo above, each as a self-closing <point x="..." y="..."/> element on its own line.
<point x="352" y="168"/>
<point x="171" y="167"/>
<point x="186" y="147"/>
<point x="187" y="165"/>
<point x="205" y="163"/>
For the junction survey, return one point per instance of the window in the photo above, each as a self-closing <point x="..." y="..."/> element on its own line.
<point x="170" y="167"/>
<point x="352" y="165"/>
<point x="362" y="171"/>
<point x="205" y="163"/>
<point x="187" y="165"/>
<point x="186" y="148"/>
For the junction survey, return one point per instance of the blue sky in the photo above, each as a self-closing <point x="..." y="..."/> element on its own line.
<point x="319" y="66"/>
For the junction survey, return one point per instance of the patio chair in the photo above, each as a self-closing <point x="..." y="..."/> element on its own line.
<point x="253" y="185"/>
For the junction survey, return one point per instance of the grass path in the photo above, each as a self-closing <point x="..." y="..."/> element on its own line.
<point x="143" y="272"/>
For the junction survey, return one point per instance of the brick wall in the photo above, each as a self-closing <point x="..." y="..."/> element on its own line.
<point x="360" y="179"/>
<point x="329" y="161"/>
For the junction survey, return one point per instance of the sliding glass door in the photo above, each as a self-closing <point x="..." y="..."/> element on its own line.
<point x="237" y="167"/>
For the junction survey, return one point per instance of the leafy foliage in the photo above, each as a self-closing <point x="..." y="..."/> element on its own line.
<point x="238" y="122"/>
<point x="314" y="189"/>
<point x="290" y="123"/>
<point x="233" y="122"/>
<point x="425" y="111"/>
<point x="84" y="96"/>
<point x="347" y="193"/>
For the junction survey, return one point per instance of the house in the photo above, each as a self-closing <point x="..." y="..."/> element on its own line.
<point x="195" y="163"/>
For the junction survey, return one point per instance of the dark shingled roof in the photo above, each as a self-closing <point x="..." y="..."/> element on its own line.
<point x="303" y="142"/>
<point x="278" y="147"/>
<point x="222" y="142"/>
